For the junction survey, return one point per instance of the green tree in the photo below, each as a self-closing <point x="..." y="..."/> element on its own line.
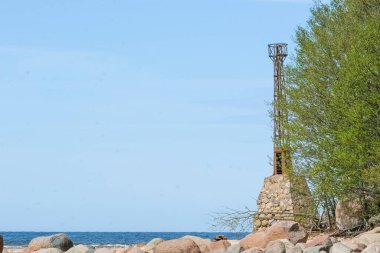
<point x="333" y="101"/>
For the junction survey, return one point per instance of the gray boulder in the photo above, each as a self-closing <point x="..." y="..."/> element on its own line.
<point x="295" y="249"/>
<point x="136" y="250"/>
<point x="302" y="245"/>
<point x="104" y="250"/>
<point x="372" y="248"/>
<point x="49" y="250"/>
<point x="81" y="249"/>
<point x="340" y="248"/>
<point x="367" y="238"/>
<point x="123" y="249"/>
<point x="354" y="246"/>
<point x="254" y="250"/>
<point x="59" y="241"/>
<point x="152" y="244"/>
<point x="201" y="242"/>
<point x="290" y="230"/>
<point x="327" y="244"/>
<point x="182" y="245"/>
<point x="235" y="248"/>
<point x="275" y="247"/>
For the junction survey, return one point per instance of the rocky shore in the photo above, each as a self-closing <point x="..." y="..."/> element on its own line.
<point x="281" y="237"/>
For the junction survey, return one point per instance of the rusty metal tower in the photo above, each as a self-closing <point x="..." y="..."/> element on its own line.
<point x="278" y="52"/>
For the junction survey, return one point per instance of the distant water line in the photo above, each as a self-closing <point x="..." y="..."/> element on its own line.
<point x="111" y="238"/>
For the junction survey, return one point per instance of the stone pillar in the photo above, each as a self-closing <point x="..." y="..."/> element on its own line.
<point x="283" y="199"/>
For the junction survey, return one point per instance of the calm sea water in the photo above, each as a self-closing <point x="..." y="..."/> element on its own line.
<point x="110" y="238"/>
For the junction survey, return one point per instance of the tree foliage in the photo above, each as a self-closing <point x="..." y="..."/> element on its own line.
<point x="333" y="101"/>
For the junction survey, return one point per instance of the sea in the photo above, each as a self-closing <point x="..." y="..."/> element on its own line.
<point x="112" y="238"/>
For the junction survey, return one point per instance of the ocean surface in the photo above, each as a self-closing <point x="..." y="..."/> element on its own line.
<point x="111" y="238"/>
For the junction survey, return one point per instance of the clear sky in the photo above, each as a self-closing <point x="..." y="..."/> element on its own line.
<point x="135" y="115"/>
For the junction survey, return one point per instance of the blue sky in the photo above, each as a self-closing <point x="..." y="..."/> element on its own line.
<point x="135" y="115"/>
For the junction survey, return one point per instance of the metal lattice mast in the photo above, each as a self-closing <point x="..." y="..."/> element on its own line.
<point x="278" y="52"/>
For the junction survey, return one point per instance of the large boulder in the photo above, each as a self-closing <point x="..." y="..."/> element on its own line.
<point x="81" y="249"/>
<point x="59" y="241"/>
<point x="49" y="250"/>
<point x="318" y="240"/>
<point x="327" y="244"/>
<point x="201" y="242"/>
<point x="182" y="245"/>
<point x="275" y="247"/>
<point x="123" y="249"/>
<point x="152" y="244"/>
<point x="372" y="248"/>
<point x="136" y="250"/>
<point x="367" y="239"/>
<point x="253" y="250"/>
<point x="295" y="249"/>
<point x="348" y="214"/>
<point x="235" y="248"/>
<point x="105" y="250"/>
<point x="340" y="248"/>
<point x="255" y="240"/>
<point x="289" y="230"/>
<point x="220" y="246"/>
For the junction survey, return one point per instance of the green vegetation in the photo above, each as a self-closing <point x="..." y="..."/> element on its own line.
<point x="333" y="101"/>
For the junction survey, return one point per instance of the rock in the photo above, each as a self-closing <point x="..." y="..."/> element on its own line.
<point x="287" y="243"/>
<point x="217" y="246"/>
<point x="301" y="245"/>
<point x="59" y="241"/>
<point x="295" y="249"/>
<point x="182" y="245"/>
<point x="220" y="237"/>
<point x="348" y="214"/>
<point x="122" y="250"/>
<point x="372" y="248"/>
<point x="104" y="250"/>
<point x="201" y="242"/>
<point x="340" y="248"/>
<point x="354" y="246"/>
<point x="136" y="250"/>
<point x="318" y="240"/>
<point x="152" y="244"/>
<point x="327" y="244"/>
<point x="374" y="231"/>
<point x="49" y="250"/>
<point x="315" y="249"/>
<point x="141" y="244"/>
<point x="256" y="239"/>
<point x="290" y="230"/>
<point x="81" y="249"/>
<point x="235" y="248"/>
<point x="367" y="238"/>
<point x="275" y="247"/>
<point x="253" y="250"/>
